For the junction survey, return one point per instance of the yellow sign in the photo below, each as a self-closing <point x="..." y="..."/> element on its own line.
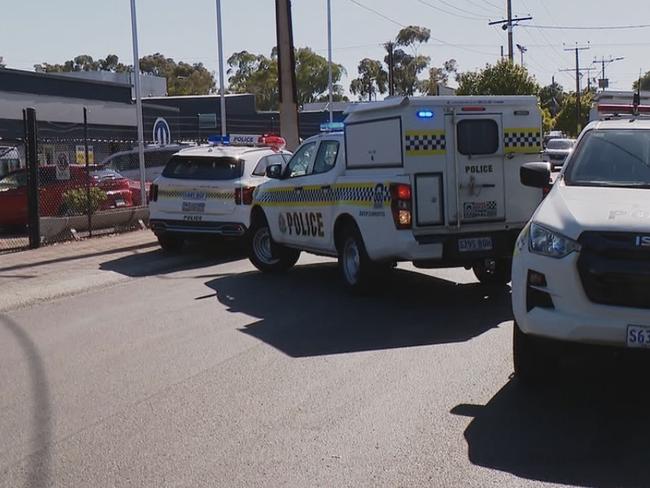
<point x="80" y="155"/>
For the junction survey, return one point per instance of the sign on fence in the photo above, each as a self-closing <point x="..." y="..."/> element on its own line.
<point x="81" y="155"/>
<point x="62" y="166"/>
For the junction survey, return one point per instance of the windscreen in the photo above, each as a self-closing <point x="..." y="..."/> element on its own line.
<point x="611" y="157"/>
<point x="560" y="144"/>
<point x="203" y="168"/>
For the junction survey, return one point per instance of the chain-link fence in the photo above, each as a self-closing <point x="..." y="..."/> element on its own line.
<point x="13" y="204"/>
<point x="88" y="178"/>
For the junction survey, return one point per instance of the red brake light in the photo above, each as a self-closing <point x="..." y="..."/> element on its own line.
<point x="473" y="108"/>
<point x="401" y="205"/>
<point x="244" y="195"/>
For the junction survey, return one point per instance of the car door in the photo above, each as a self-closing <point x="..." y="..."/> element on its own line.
<point x="285" y="199"/>
<point x="476" y="165"/>
<point x="13" y="199"/>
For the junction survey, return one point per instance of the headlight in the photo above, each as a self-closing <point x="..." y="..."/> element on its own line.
<point x="549" y="243"/>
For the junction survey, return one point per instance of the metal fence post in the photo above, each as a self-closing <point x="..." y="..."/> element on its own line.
<point x="31" y="156"/>
<point x="88" y="203"/>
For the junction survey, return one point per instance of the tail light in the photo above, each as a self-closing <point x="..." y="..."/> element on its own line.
<point x="244" y="195"/>
<point x="401" y="205"/>
<point x="153" y="193"/>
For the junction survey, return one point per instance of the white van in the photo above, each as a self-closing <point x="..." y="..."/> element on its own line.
<point x="432" y="180"/>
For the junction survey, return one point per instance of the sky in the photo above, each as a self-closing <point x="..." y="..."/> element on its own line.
<point x="34" y="31"/>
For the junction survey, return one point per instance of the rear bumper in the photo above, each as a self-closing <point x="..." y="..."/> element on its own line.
<point x="503" y="244"/>
<point x="226" y="229"/>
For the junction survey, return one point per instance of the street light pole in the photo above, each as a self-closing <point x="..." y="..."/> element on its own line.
<point x="329" y="58"/>
<point x="222" y="91"/>
<point x="138" y="103"/>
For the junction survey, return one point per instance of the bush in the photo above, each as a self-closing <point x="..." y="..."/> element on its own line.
<point x="76" y="202"/>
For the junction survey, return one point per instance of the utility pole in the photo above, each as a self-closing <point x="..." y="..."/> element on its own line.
<point x="287" y="75"/>
<point x="603" y="83"/>
<point x="390" y="47"/>
<point x="522" y="50"/>
<point x="577" y="50"/>
<point x="508" y="24"/>
<point x="222" y="91"/>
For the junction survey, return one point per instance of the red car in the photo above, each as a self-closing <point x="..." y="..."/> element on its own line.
<point x="13" y="192"/>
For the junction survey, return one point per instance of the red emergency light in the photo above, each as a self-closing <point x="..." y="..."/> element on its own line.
<point x="473" y="108"/>
<point x="615" y="108"/>
<point x="277" y="143"/>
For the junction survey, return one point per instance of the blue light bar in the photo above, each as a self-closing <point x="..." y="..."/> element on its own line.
<point x="215" y="140"/>
<point x="425" y="114"/>
<point x="331" y="126"/>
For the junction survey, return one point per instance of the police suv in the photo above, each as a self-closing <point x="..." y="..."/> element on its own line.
<point x="208" y="190"/>
<point x="432" y="180"/>
<point x="581" y="271"/>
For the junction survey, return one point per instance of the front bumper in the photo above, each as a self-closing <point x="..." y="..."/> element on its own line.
<point x="226" y="229"/>
<point x="573" y="316"/>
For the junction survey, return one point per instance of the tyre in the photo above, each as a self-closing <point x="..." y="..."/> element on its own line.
<point x="267" y="255"/>
<point x="533" y="359"/>
<point x="356" y="267"/>
<point x="171" y="243"/>
<point x="494" y="272"/>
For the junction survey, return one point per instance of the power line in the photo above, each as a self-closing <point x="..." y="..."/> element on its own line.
<point x="444" y="2"/>
<point x="591" y="27"/>
<point x="440" y="9"/>
<point x="377" y="12"/>
<point x="508" y="24"/>
<point x="477" y="4"/>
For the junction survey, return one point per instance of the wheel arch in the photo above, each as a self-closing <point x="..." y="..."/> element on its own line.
<point x="342" y="221"/>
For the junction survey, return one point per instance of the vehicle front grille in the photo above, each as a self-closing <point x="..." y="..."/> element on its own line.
<point x="614" y="270"/>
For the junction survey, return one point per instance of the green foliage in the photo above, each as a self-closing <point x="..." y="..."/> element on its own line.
<point x="182" y="78"/>
<point x="566" y="119"/>
<point x="372" y="79"/>
<point x="438" y="77"/>
<point x="412" y="35"/>
<point x="548" y="122"/>
<point x="77" y="201"/>
<point x="552" y="97"/>
<point x="408" y="66"/>
<point x="85" y="62"/>
<point x="503" y="78"/>
<point x="257" y="74"/>
<point x="645" y="82"/>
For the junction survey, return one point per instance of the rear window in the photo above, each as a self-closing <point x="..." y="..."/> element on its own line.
<point x="476" y="137"/>
<point x="559" y="144"/>
<point x="203" y="168"/>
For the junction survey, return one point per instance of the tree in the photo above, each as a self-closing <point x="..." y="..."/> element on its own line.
<point x="552" y="97"/>
<point x="503" y="78"/>
<point x="566" y="119"/>
<point x="645" y="82"/>
<point x="407" y="67"/>
<point x="258" y="74"/>
<point x="372" y="79"/>
<point x="438" y="77"/>
<point x="182" y="78"/>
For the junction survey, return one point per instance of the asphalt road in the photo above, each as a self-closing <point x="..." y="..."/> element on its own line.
<point x="207" y="373"/>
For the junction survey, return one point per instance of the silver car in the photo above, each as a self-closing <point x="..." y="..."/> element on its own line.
<point x="557" y="151"/>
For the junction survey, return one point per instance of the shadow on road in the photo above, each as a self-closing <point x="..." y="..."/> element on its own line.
<point x="157" y="262"/>
<point x="307" y="312"/>
<point x="39" y="461"/>
<point x="590" y="429"/>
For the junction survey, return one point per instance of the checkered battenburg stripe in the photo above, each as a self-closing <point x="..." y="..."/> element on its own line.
<point x="522" y="138"/>
<point x="420" y="142"/>
<point x="211" y="195"/>
<point x="362" y="194"/>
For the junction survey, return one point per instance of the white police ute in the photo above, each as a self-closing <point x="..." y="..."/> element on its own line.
<point x="208" y="190"/>
<point x="581" y="270"/>
<point x="430" y="180"/>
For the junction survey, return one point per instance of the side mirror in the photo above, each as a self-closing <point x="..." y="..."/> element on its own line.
<point x="536" y="175"/>
<point x="274" y="171"/>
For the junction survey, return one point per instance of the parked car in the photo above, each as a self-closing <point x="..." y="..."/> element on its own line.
<point x="13" y="192"/>
<point x="557" y="150"/>
<point x="554" y="134"/>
